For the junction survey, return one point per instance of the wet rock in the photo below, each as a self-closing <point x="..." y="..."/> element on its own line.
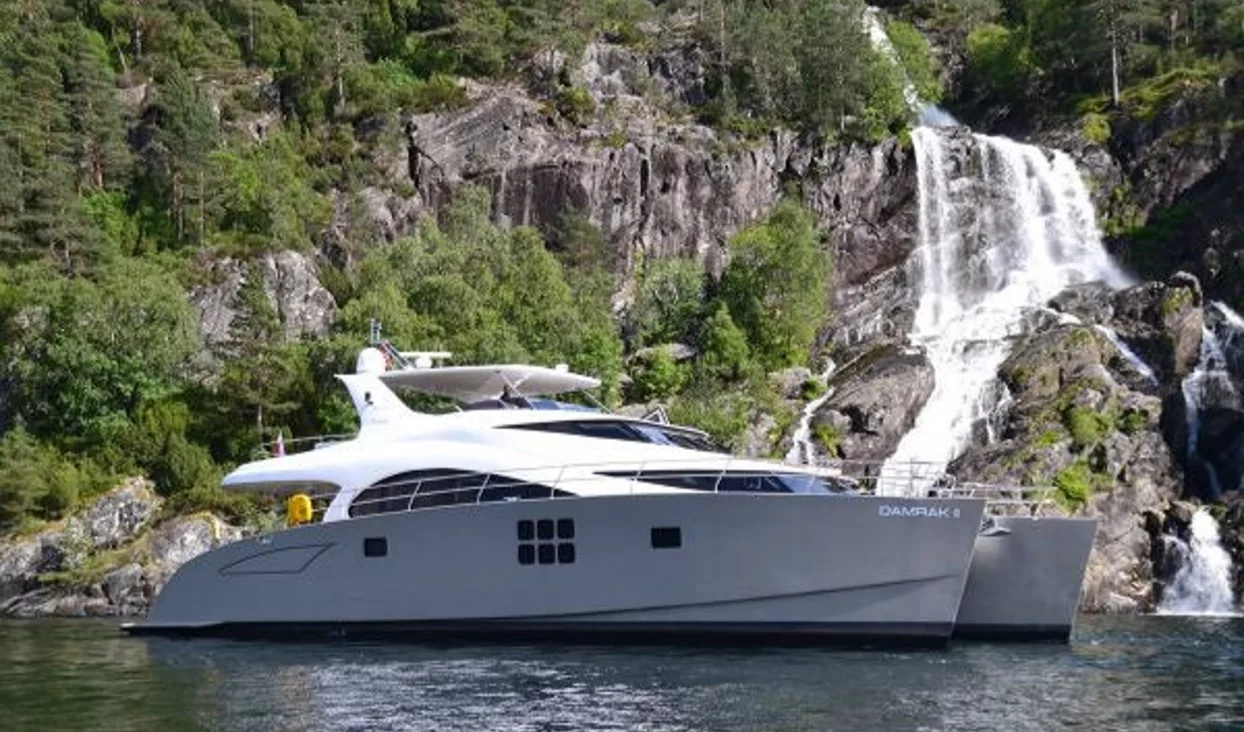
<point x="1079" y="428"/>
<point x="1091" y="302"/>
<point x="1163" y="321"/>
<point x="876" y="400"/>
<point x="127" y="589"/>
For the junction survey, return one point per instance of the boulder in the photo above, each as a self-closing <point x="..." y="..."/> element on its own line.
<point x="1163" y="321"/>
<point x="875" y="400"/>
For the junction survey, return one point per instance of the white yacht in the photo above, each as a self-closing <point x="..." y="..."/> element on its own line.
<point x="518" y="517"/>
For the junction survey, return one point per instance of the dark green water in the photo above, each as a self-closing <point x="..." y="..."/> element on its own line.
<point x="1118" y="674"/>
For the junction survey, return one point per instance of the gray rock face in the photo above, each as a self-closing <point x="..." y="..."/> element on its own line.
<point x="662" y="187"/>
<point x="304" y="306"/>
<point x="875" y="402"/>
<point x="290" y="286"/>
<point x="119" y="516"/>
<point x="1076" y="423"/>
<point x="176" y="542"/>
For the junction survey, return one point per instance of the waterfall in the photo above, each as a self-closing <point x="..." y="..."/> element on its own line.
<point x="929" y="115"/>
<point x="1213" y="383"/>
<point x="1003" y="227"/>
<point x="801" y="451"/>
<point x="1202" y="584"/>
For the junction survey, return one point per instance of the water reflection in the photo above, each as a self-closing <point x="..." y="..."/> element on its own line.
<point x="1119" y="674"/>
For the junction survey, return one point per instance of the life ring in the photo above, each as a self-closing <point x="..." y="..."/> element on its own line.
<point x="298" y="509"/>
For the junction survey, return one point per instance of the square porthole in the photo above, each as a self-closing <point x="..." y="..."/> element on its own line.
<point x="666" y="537"/>
<point x="565" y="528"/>
<point x="565" y="553"/>
<point x="375" y="546"/>
<point x="526" y="530"/>
<point x="546" y="554"/>
<point x="544" y="529"/>
<point x="526" y="553"/>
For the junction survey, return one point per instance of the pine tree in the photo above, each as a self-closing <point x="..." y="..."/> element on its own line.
<point x="99" y="151"/>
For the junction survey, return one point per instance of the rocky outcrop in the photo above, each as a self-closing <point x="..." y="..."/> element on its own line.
<point x="280" y="291"/>
<point x="1078" y="425"/>
<point x="655" y="184"/>
<point x="874" y="403"/>
<point x="110" y="559"/>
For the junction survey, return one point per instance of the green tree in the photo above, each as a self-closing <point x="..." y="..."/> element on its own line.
<point x="777" y="285"/>
<point x="669" y="296"/>
<point x="724" y="354"/>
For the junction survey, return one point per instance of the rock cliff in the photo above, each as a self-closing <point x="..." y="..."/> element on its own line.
<point x="110" y="559"/>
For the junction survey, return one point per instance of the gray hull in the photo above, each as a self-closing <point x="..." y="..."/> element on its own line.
<point x="808" y="568"/>
<point x="1025" y="579"/>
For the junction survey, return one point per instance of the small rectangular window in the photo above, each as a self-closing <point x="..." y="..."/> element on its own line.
<point x="375" y="546"/>
<point x="526" y="530"/>
<point x="565" y="528"/>
<point x="544" y="529"/>
<point x="526" y="554"/>
<point x="565" y="553"/>
<point x="666" y="537"/>
<point x="546" y="554"/>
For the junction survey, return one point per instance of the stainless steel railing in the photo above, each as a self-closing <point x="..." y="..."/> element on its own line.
<point x="453" y="487"/>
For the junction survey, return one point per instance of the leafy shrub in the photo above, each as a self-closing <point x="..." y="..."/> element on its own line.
<point x="811" y="389"/>
<point x="575" y="104"/>
<point x="777" y="285"/>
<point x="916" y="58"/>
<point x="658" y="376"/>
<point x="1074" y="484"/>
<point x="724" y="353"/>
<point x="999" y="59"/>
<point x="1085" y="426"/>
<point x="1096" y="127"/>
<point x="668" y="299"/>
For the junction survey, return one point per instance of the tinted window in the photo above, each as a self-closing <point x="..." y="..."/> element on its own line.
<point x="730" y="482"/>
<point x="444" y="487"/>
<point x="599" y="429"/>
<point x="666" y="537"/>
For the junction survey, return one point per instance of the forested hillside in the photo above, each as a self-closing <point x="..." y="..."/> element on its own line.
<point x="147" y="146"/>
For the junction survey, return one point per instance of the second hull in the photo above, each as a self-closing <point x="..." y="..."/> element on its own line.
<point x="1025" y="579"/>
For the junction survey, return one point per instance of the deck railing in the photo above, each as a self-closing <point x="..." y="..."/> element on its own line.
<point x="563" y="481"/>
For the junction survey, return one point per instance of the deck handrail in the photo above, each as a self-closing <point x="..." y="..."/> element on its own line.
<point x="1000" y="499"/>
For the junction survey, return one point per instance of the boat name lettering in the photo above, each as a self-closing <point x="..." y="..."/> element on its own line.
<point x="943" y="512"/>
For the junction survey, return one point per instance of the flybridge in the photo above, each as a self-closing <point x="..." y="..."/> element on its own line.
<point x="419" y="370"/>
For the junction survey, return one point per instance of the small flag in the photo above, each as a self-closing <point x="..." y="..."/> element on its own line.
<point x="280" y="444"/>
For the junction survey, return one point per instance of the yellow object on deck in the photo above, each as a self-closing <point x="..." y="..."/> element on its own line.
<point x="298" y="509"/>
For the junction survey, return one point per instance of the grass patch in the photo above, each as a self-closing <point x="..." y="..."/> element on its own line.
<point x="1073" y="485"/>
<point x="1145" y="100"/>
<point x="812" y="388"/>
<point x="1096" y="127"/>
<point x="829" y="438"/>
<point x="1085" y="426"/>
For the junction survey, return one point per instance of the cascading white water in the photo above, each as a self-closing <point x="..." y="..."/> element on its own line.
<point x="1212" y="383"/>
<point x="1138" y="363"/>
<point x="801" y="451"/>
<point x="929" y="115"/>
<point x="1003" y="228"/>
<point x="1202" y="584"/>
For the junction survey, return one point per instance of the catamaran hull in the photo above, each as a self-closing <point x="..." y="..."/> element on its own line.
<point x="1025" y="579"/>
<point x="731" y="567"/>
